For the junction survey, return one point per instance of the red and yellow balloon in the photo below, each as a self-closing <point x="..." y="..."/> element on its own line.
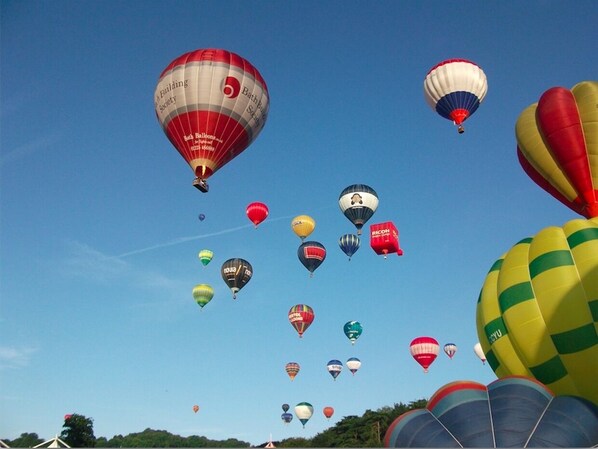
<point x="557" y="145"/>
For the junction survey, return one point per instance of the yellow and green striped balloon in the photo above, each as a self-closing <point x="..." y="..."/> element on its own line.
<point x="203" y="294"/>
<point x="537" y="313"/>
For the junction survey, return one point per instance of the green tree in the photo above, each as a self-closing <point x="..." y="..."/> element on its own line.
<point x="78" y="431"/>
<point x="25" y="440"/>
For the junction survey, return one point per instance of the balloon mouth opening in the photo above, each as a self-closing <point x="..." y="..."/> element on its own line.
<point x="459" y="116"/>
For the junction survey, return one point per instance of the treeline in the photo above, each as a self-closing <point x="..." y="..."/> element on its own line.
<point x="352" y="431"/>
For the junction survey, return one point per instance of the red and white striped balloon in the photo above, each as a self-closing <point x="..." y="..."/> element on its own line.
<point x="424" y="350"/>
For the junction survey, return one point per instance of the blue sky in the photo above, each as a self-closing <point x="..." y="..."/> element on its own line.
<point x="99" y="232"/>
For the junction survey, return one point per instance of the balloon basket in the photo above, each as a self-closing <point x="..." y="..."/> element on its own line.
<point x="201" y="185"/>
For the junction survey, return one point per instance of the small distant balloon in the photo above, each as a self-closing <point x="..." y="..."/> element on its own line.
<point x="353" y="330"/>
<point x="236" y="273"/>
<point x="257" y="212"/>
<point x="286" y="417"/>
<point x="301" y="316"/>
<point x="328" y="412"/>
<point x="205" y="256"/>
<point x="477" y="348"/>
<point x="303" y="226"/>
<point x="67" y="416"/>
<point x="292" y="369"/>
<point x="201" y="217"/>
<point x="349" y="244"/>
<point x="285" y="407"/>
<point x="304" y="411"/>
<point x="311" y="255"/>
<point x="424" y="350"/>
<point x="195" y="408"/>
<point x="203" y="294"/>
<point x="334" y="368"/>
<point x="358" y="202"/>
<point x="353" y="364"/>
<point x="450" y="349"/>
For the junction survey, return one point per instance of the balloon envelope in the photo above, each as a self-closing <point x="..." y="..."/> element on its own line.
<point x="358" y="202"/>
<point x="454" y="89"/>
<point x="424" y="350"/>
<point x="509" y="412"/>
<point x="353" y="330"/>
<point x="211" y="104"/>
<point x="349" y="244"/>
<point x="195" y="408"/>
<point x="203" y="294"/>
<point x="450" y="349"/>
<point x="353" y="364"/>
<point x="285" y="407"/>
<point x="384" y="239"/>
<point x="257" y="212"/>
<point x="292" y="369"/>
<point x="303" y="226"/>
<point x="205" y="256"/>
<point x="557" y="145"/>
<point x="328" y="412"/>
<point x="286" y="417"/>
<point x="201" y="217"/>
<point x="477" y="349"/>
<point x="236" y="273"/>
<point x="301" y="316"/>
<point x="334" y="367"/>
<point x="311" y="255"/>
<point x="304" y="411"/>
<point x="536" y="312"/>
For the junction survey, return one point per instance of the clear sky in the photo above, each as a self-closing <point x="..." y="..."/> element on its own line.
<point x="99" y="230"/>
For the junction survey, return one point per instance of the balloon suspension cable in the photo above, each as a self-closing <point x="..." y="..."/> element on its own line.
<point x="201" y="185"/>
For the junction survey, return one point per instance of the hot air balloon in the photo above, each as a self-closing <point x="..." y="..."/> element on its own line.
<point x="211" y="104"/>
<point x="424" y="350"/>
<point x="285" y="407"/>
<point x="349" y="244"/>
<point x="311" y="255"/>
<point x="450" y="349"/>
<point x="236" y="273"/>
<point x="536" y="312"/>
<point x="557" y="145"/>
<point x="286" y="417"/>
<point x="353" y="330"/>
<point x="203" y="294"/>
<point x="257" y="212"/>
<point x="384" y="239"/>
<point x="292" y="369"/>
<point x="195" y="408"/>
<point x="303" y="226"/>
<point x="334" y="367"/>
<point x="477" y="349"/>
<point x="201" y="217"/>
<point x="454" y="89"/>
<point x="328" y="412"/>
<point x="358" y="202"/>
<point x="353" y="363"/>
<point x="509" y="412"/>
<point x="67" y="416"/>
<point x="301" y="316"/>
<point x="304" y="411"/>
<point x="205" y="256"/>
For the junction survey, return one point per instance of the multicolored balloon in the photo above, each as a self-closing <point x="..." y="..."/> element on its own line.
<point x="536" y="312"/>
<point x="509" y="412"/>
<point x="311" y="255"/>
<point x="353" y="330"/>
<point x="353" y="363"/>
<point x="286" y="417"/>
<point x="358" y="202"/>
<point x="450" y="349"/>
<point x="304" y="411"/>
<point x="557" y="145"/>
<point x="349" y="244"/>
<point x="205" y="256"/>
<point x="424" y="350"/>
<point x="292" y="369"/>
<point x="236" y="273"/>
<point x="212" y="104"/>
<point x="454" y="89"/>
<point x="195" y="408"/>
<point x="328" y="412"/>
<point x="301" y="316"/>
<point x="257" y="212"/>
<point x="303" y="226"/>
<point x="334" y="367"/>
<point x="203" y="294"/>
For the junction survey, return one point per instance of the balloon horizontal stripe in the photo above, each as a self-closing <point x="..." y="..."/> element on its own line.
<point x="575" y="340"/>
<point x="547" y="261"/>
<point x="550" y="371"/>
<point x="514" y="295"/>
<point x="582" y="236"/>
